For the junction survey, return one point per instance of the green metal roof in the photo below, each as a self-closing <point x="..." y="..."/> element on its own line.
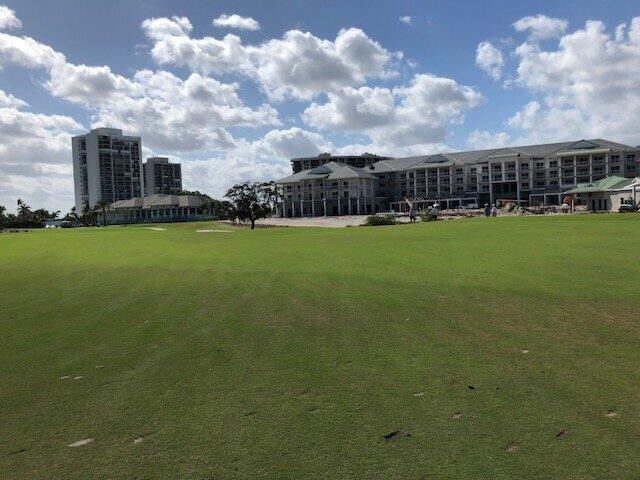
<point x="608" y="183"/>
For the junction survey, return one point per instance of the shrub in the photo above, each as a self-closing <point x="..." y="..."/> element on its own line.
<point x="375" y="220"/>
<point x="427" y="216"/>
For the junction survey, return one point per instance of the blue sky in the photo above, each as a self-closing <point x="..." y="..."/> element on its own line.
<point x="323" y="75"/>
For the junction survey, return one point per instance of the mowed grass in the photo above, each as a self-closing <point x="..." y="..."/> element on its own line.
<point x="290" y="353"/>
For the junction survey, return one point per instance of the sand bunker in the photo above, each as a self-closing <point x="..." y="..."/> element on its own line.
<point x="157" y="229"/>
<point x="213" y="231"/>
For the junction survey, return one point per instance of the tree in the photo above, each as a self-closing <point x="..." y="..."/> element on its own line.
<point x="219" y="209"/>
<point x="72" y="216"/>
<point x="24" y="211"/>
<point x="3" y="217"/>
<point x="252" y="201"/>
<point x="88" y="216"/>
<point x="102" y="206"/>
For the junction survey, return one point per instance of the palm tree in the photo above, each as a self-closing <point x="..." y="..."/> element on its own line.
<point x="103" y="206"/>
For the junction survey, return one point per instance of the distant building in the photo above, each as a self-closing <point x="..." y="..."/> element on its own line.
<point x="360" y="161"/>
<point x="157" y="208"/>
<point x="606" y="194"/>
<point x="329" y="189"/>
<point x="106" y="167"/>
<point x="163" y="177"/>
<point x="533" y="174"/>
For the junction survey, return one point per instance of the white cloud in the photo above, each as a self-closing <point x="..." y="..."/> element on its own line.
<point x="183" y="115"/>
<point x="541" y="27"/>
<point x="236" y="21"/>
<point x="489" y="58"/>
<point x="9" y="101"/>
<point x="27" y="52"/>
<point x="8" y="18"/>
<point x="414" y="114"/>
<point x="34" y="155"/>
<point x="160" y="28"/>
<point x="589" y="85"/>
<point x="406" y="19"/>
<point x="299" y="65"/>
<point x="482" y="139"/>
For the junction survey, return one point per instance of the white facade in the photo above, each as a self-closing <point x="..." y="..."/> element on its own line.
<point x="106" y="166"/>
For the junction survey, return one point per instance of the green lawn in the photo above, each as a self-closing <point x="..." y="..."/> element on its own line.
<point x="289" y="353"/>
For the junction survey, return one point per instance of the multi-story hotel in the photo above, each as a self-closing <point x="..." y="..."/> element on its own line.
<point x="162" y="177"/>
<point x="534" y="174"/>
<point x="106" y="167"/>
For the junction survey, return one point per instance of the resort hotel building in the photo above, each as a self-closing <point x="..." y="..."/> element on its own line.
<point x="527" y="175"/>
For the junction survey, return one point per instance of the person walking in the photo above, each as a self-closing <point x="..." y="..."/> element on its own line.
<point x="412" y="215"/>
<point x="487" y="210"/>
<point x="494" y="211"/>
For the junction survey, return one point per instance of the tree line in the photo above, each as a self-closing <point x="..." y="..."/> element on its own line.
<point x="247" y="202"/>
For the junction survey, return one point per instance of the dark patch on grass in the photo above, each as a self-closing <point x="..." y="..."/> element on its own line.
<point x="396" y="435"/>
<point x="561" y="434"/>
<point x="17" y="452"/>
<point x="471" y="387"/>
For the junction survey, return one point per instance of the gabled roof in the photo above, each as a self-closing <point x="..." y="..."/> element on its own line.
<point x="478" y="156"/>
<point x="606" y="184"/>
<point x="328" y="171"/>
<point x="159" y="200"/>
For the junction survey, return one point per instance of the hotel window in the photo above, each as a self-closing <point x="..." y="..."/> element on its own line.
<point x="614" y="158"/>
<point x="553" y="164"/>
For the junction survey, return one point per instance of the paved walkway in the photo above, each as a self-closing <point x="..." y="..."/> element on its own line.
<point x="329" y="222"/>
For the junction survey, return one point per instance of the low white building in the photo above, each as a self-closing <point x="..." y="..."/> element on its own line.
<point x="607" y="194"/>
<point x="157" y="208"/>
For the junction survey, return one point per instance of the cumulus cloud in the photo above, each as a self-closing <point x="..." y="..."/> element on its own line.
<point x="541" y="27"/>
<point x="171" y="113"/>
<point x="589" y="85"/>
<point x="9" y="101"/>
<point x="482" y="139"/>
<point x="489" y="58"/>
<point x="8" y="18"/>
<point x="236" y="21"/>
<point x="406" y="19"/>
<point x="34" y="155"/>
<point x="298" y="65"/>
<point x="413" y="114"/>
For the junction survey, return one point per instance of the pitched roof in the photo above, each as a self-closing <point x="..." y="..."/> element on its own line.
<point x="476" y="156"/>
<point x="328" y="171"/>
<point x="606" y="184"/>
<point x="159" y="200"/>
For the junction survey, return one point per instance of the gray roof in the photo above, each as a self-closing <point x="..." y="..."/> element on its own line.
<point x="159" y="200"/>
<point x="337" y="158"/>
<point x="328" y="171"/>
<point x="476" y="156"/>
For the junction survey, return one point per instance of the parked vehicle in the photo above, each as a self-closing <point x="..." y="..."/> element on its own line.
<point x="627" y="207"/>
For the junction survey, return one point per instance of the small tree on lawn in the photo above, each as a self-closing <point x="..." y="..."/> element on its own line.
<point x="252" y="201"/>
